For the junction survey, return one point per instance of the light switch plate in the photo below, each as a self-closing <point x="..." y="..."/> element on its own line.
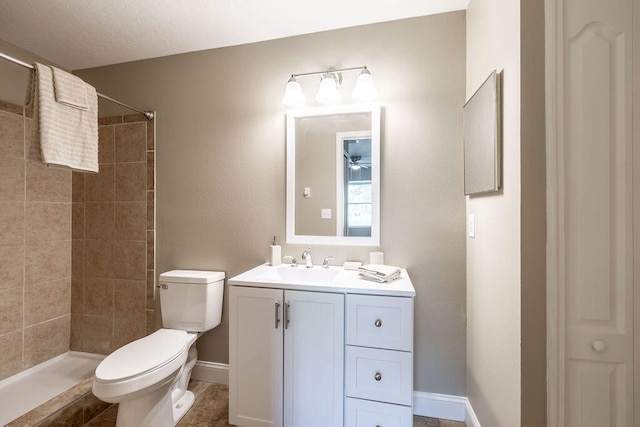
<point x="472" y="226"/>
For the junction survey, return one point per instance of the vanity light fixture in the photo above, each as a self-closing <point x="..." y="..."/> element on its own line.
<point x="329" y="83"/>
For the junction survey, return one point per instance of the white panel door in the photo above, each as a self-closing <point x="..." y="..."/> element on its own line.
<point x="255" y="356"/>
<point x="596" y="222"/>
<point x="313" y="359"/>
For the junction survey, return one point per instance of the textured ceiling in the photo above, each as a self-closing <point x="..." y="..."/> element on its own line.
<point x="78" y="34"/>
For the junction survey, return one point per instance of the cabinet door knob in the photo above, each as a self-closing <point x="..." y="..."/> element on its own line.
<point x="378" y="323"/>
<point x="378" y="376"/>
<point x="599" y="345"/>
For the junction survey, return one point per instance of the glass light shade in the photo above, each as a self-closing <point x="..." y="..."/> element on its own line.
<point x="293" y="95"/>
<point x="328" y="92"/>
<point x="365" y="90"/>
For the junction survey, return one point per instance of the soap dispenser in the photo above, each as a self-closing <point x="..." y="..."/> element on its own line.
<point x="275" y="253"/>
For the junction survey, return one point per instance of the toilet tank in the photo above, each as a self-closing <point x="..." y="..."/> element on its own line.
<point x="191" y="300"/>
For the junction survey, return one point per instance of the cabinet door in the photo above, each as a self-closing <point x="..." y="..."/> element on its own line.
<point x="255" y="356"/>
<point x="313" y="359"/>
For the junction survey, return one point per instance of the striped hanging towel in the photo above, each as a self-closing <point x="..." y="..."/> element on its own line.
<point x="65" y="111"/>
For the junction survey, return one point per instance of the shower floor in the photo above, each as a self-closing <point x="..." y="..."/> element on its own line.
<point x="29" y="389"/>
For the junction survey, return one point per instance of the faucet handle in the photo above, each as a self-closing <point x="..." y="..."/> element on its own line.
<point x="294" y="263"/>
<point x="325" y="261"/>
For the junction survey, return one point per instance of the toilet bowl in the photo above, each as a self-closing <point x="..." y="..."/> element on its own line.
<point x="149" y="377"/>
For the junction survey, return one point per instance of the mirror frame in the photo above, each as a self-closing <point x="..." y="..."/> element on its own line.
<point x="292" y="115"/>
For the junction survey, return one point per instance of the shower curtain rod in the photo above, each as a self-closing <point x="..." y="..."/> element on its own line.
<point x="148" y="114"/>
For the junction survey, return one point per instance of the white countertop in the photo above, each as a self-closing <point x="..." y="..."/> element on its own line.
<point x="334" y="279"/>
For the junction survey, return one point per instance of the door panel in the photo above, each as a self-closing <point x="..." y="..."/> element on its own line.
<point x="313" y="359"/>
<point x="597" y="245"/>
<point x="255" y="377"/>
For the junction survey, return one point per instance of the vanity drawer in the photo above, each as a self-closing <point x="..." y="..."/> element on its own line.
<point x="378" y="321"/>
<point x="383" y="375"/>
<point x="366" y="413"/>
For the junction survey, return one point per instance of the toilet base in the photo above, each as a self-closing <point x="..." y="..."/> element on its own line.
<point x="153" y="408"/>
<point x="183" y="405"/>
<point x="163" y="406"/>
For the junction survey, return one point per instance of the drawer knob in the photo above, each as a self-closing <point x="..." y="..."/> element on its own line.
<point x="378" y="323"/>
<point x="378" y="376"/>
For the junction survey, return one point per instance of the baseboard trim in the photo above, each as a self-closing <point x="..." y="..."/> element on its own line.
<point x="434" y="405"/>
<point x="211" y="372"/>
<point x="470" y="418"/>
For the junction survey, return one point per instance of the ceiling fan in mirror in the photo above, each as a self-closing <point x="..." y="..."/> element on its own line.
<point x="355" y="163"/>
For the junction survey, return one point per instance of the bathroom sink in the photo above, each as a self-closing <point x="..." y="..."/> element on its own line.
<point x="333" y="279"/>
<point x="300" y="274"/>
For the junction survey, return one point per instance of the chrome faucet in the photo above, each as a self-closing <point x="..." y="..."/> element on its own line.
<point x="306" y="255"/>
<point x="294" y="263"/>
<point x="325" y="262"/>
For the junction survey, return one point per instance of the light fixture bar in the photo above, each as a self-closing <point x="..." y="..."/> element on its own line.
<point x="319" y="73"/>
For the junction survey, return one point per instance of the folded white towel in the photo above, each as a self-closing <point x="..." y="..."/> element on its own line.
<point x="379" y="273"/>
<point x="68" y="130"/>
<point x="70" y="90"/>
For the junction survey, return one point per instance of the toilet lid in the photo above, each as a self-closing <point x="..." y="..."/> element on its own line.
<point x="143" y="355"/>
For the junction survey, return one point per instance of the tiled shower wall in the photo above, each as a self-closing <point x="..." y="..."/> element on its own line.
<point x="113" y="233"/>
<point x="35" y="251"/>
<point x="95" y="292"/>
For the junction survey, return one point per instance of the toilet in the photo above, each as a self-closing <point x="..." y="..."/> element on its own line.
<point x="149" y="377"/>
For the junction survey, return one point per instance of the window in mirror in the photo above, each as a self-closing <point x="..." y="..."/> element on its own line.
<point x="355" y="197"/>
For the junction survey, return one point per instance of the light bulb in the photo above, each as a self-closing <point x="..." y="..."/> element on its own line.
<point x="293" y="95"/>
<point x="365" y="90"/>
<point x="328" y="92"/>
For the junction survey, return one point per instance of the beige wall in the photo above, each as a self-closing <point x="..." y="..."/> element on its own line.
<point x="506" y="260"/>
<point x="221" y="164"/>
<point x="13" y="78"/>
<point x="493" y="256"/>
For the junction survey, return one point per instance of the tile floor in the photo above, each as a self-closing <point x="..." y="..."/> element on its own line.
<point x="211" y="410"/>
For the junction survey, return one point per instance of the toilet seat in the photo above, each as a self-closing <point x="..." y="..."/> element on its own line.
<point x="143" y="355"/>
<point x="149" y="361"/>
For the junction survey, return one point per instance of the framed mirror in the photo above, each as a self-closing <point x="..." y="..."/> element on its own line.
<point x="482" y="138"/>
<point x="333" y="175"/>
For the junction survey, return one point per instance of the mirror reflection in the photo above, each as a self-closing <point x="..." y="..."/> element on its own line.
<point x="333" y="172"/>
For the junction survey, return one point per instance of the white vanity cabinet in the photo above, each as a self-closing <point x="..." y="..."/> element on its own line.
<point x="319" y="347"/>
<point x="286" y="352"/>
